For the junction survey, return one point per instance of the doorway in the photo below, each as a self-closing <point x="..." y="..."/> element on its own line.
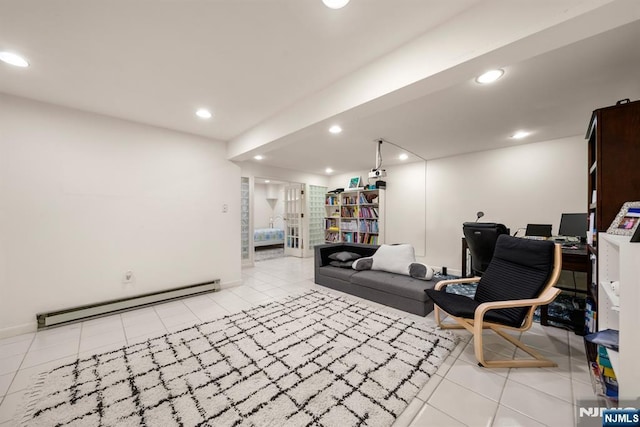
<point x="269" y="225"/>
<point x="280" y="218"/>
<point x="294" y="219"/>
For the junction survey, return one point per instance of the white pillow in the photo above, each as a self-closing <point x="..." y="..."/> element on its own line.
<point x="394" y="258"/>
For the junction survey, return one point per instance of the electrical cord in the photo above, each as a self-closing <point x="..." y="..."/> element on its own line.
<point x="380" y="140"/>
<point x="514" y="234"/>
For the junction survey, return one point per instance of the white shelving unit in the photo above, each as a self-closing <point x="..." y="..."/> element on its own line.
<point x="619" y="260"/>
<point x="355" y="216"/>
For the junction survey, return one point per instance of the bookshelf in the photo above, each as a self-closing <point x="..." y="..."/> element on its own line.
<point x="355" y="216"/>
<point x="613" y="178"/>
<point x="618" y="308"/>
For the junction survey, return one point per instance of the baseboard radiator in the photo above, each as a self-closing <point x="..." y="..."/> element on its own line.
<point x="60" y="317"/>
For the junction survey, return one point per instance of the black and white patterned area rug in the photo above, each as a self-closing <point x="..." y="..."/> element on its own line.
<point x="309" y="360"/>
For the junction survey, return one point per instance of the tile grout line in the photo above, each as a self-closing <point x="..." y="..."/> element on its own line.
<point x="15" y="373"/>
<point x="124" y="330"/>
<point x="82" y="325"/>
<point x="573" y="395"/>
<point x="572" y="374"/>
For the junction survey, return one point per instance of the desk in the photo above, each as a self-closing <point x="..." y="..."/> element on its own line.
<point x="572" y="260"/>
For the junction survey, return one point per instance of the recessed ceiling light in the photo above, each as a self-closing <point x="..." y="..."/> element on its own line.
<point x="335" y="129"/>
<point x="13" y="59"/>
<point x="490" y="76"/>
<point x="403" y="156"/>
<point x="335" y="4"/>
<point x="203" y="113"/>
<point x="520" y="134"/>
<point x="258" y="157"/>
<point x="266" y="181"/>
<point x="328" y="170"/>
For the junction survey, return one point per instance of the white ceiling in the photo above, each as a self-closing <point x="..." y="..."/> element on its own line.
<point x="262" y="65"/>
<point x="551" y="95"/>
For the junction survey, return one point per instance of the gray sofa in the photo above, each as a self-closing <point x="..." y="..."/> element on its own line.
<point x="395" y="290"/>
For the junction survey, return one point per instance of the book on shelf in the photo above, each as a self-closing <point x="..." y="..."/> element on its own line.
<point x="348" y="237"/>
<point x="348" y="212"/>
<point x="370" y="226"/>
<point x="368" y="212"/>
<point x="348" y="225"/>
<point x="349" y="199"/>
<point x="608" y="338"/>
<point x="331" y="201"/>
<point x="331" y="237"/>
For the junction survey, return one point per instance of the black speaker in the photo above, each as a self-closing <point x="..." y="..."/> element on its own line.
<point x="577" y="316"/>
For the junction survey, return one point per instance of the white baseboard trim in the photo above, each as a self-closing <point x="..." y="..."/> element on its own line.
<point x="231" y="284"/>
<point x="105" y="308"/>
<point x="26" y="328"/>
<point x="13" y="331"/>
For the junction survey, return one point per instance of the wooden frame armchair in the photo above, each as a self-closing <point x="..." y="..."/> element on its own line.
<point x="520" y="277"/>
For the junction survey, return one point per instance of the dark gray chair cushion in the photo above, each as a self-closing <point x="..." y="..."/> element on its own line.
<point x="465" y="307"/>
<point x="519" y="270"/>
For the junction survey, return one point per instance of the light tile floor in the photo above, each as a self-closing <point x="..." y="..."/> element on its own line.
<point x="461" y="393"/>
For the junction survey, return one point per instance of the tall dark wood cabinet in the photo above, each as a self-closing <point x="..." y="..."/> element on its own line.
<point x="614" y="178"/>
<point x="614" y="162"/>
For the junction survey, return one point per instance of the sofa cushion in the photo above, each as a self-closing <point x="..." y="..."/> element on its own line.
<point x="344" y="256"/>
<point x="392" y="283"/>
<point x="341" y="264"/>
<point x="394" y="258"/>
<point x="336" y="272"/>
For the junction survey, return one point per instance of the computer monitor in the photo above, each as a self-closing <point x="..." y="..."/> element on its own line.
<point x="573" y="225"/>
<point x="538" y="230"/>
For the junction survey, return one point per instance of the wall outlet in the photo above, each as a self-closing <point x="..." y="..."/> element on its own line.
<point x="127" y="277"/>
<point x="225" y="208"/>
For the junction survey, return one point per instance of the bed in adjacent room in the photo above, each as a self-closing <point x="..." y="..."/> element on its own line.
<point x="268" y="237"/>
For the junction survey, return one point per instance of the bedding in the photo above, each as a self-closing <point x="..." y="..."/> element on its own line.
<point x="268" y="236"/>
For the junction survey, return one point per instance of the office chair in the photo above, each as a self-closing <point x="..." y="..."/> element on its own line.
<point x="521" y="276"/>
<point x="481" y="238"/>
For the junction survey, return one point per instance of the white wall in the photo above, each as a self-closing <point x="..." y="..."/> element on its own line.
<point x="427" y="202"/>
<point x="266" y="208"/>
<point x="532" y="183"/>
<point x="85" y="198"/>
